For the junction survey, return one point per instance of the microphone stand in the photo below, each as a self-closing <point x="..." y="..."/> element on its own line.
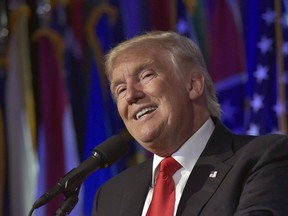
<point x="69" y="186"/>
<point x="68" y="204"/>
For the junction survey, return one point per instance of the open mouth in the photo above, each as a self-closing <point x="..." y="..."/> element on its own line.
<point x="144" y="112"/>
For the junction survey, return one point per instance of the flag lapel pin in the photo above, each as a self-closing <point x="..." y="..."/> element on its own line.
<point x="213" y="174"/>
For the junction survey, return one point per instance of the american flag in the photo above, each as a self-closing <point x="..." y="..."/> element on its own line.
<point x="251" y="87"/>
<point x="267" y="59"/>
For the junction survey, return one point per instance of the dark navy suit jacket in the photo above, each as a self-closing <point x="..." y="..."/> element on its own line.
<point x="251" y="179"/>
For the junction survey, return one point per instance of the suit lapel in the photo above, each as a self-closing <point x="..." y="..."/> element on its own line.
<point x="134" y="198"/>
<point x="200" y="187"/>
<point x="208" y="172"/>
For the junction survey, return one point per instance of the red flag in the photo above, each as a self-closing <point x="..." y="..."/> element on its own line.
<point x="52" y="101"/>
<point x="162" y="14"/>
<point x="226" y="53"/>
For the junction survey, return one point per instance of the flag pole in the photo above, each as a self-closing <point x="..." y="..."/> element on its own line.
<point x="282" y="118"/>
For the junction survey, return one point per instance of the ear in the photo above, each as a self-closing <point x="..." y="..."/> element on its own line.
<point x="196" y="85"/>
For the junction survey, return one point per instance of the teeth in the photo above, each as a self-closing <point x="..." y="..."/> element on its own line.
<point x="144" y="111"/>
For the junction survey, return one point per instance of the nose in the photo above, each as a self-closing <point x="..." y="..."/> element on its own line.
<point x="134" y="92"/>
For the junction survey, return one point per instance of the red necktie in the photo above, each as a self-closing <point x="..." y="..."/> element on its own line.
<point x="163" y="199"/>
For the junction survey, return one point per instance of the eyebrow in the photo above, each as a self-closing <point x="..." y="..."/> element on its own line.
<point x="135" y="72"/>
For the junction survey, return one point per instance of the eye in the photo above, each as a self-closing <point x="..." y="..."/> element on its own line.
<point x="120" y="91"/>
<point x="147" y="75"/>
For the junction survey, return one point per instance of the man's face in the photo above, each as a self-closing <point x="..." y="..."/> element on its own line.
<point x="152" y="100"/>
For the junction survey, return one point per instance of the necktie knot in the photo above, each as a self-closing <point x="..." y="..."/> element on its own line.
<point x="169" y="166"/>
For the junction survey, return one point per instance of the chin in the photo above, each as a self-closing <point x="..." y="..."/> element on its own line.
<point x="147" y="142"/>
<point x="148" y="137"/>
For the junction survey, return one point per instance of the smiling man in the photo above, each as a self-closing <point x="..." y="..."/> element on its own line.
<point x="167" y="101"/>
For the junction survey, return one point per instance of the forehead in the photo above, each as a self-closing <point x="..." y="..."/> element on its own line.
<point x="135" y="59"/>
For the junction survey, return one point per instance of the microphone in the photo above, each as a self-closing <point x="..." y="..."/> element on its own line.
<point x="103" y="155"/>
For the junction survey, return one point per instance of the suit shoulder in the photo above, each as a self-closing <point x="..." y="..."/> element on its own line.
<point x="131" y="174"/>
<point x="262" y="150"/>
<point x="259" y="143"/>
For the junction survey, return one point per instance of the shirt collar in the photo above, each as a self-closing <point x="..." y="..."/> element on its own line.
<point x="188" y="154"/>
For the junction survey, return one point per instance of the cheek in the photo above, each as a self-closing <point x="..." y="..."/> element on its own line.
<point x="121" y="109"/>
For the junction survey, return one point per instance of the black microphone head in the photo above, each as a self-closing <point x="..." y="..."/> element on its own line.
<point x="112" y="149"/>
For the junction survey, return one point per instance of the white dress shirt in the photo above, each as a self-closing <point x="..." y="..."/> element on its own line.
<point x="187" y="156"/>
